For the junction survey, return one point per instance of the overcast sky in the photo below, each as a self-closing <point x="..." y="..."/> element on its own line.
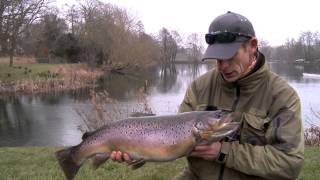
<point x="273" y="20"/>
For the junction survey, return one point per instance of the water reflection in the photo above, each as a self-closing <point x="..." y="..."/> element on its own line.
<point x="288" y="71"/>
<point x="125" y="86"/>
<point x="168" y="78"/>
<point x="13" y="124"/>
<point x="35" y="121"/>
<point x="313" y="68"/>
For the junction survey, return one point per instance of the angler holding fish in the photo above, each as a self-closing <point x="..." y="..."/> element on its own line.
<point x="268" y="145"/>
<point x="150" y="138"/>
<point x="270" y="142"/>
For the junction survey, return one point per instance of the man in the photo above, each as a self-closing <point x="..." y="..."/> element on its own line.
<point x="269" y="144"/>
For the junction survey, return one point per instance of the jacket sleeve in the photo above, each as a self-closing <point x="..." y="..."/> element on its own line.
<point x="281" y="158"/>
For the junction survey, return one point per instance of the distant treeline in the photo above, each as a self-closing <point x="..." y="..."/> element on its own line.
<point x="98" y="34"/>
<point x="306" y="48"/>
<point x="91" y="31"/>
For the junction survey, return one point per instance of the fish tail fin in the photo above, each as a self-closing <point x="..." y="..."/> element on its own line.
<point x="67" y="164"/>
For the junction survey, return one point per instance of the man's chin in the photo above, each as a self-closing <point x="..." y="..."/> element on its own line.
<point x="230" y="78"/>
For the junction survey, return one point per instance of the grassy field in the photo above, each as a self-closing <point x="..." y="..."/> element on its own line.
<point x="39" y="163"/>
<point x="311" y="169"/>
<point x="28" y="77"/>
<point x="24" y="71"/>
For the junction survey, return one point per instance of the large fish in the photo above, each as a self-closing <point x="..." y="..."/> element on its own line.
<point x="156" y="138"/>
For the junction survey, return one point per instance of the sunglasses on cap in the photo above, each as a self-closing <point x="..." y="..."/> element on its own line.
<point x="224" y="37"/>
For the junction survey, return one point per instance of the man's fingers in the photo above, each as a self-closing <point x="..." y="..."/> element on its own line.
<point x="200" y="154"/>
<point x="113" y="155"/>
<point x="203" y="156"/>
<point x="126" y="157"/>
<point x="119" y="156"/>
<point x="202" y="148"/>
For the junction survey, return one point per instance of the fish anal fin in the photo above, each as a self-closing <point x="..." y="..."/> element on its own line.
<point x="99" y="159"/>
<point x="137" y="164"/>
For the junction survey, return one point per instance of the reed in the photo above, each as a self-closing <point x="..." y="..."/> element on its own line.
<point x="312" y="133"/>
<point x="105" y="109"/>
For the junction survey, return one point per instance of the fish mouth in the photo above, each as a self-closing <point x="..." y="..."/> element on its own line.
<point x="215" y="129"/>
<point x="227" y="129"/>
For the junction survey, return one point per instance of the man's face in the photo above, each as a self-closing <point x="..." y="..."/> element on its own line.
<point x="239" y="65"/>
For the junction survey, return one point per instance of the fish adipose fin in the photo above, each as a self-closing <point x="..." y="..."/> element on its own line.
<point x="69" y="167"/>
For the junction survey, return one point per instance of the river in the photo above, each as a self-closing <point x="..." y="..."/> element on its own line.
<point x="52" y="119"/>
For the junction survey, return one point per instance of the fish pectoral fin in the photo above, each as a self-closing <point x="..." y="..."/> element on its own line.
<point x="206" y="135"/>
<point x="135" y="164"/>
<point x="99" y="159"/>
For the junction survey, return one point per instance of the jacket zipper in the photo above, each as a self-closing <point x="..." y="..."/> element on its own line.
<point x="234" y="106"/>
<point x="236" y="101"/>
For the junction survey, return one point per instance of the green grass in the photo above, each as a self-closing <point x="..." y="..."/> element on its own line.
<point x="38" y="163"/>
<point x="311" y="169"/>
<point x="24" y="71"/>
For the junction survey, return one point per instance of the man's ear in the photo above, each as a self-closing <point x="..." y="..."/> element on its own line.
<point x="254" y="43"/>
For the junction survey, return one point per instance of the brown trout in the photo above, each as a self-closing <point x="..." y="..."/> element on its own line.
<point x="149" y="138"/>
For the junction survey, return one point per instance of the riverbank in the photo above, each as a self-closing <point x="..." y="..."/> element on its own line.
<point x="26" y="77"/>
<point x="40" y="163"/>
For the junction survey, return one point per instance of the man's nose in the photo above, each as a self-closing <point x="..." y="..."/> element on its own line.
<point x="222" y="64"/>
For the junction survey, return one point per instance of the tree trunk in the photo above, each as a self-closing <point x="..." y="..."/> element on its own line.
<point x="11" y="59"/>
<point x="12" y="47"/>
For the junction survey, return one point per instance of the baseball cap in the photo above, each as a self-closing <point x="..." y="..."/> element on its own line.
<point x="226" y="34"/>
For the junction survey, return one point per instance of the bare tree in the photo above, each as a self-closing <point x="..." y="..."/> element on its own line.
<point x="194" y="47"/>
<point x="265" y="48"/>
<point x="17" y="17"/>
<point x="73" y="16"/>
<point x="112" y="36"/>
<point x="168" y="46"/>
<point x="3" y="32"/>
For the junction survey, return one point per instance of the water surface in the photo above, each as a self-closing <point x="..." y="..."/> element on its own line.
<point x="51" y="120"/>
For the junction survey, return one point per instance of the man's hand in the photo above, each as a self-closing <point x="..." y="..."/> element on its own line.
<point x="208" y="152"/>
<point x="120" y="157"/>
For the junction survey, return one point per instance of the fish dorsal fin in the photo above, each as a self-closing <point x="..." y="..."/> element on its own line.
<point x="141" y="114"/>
<point x="86" y="135"/>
